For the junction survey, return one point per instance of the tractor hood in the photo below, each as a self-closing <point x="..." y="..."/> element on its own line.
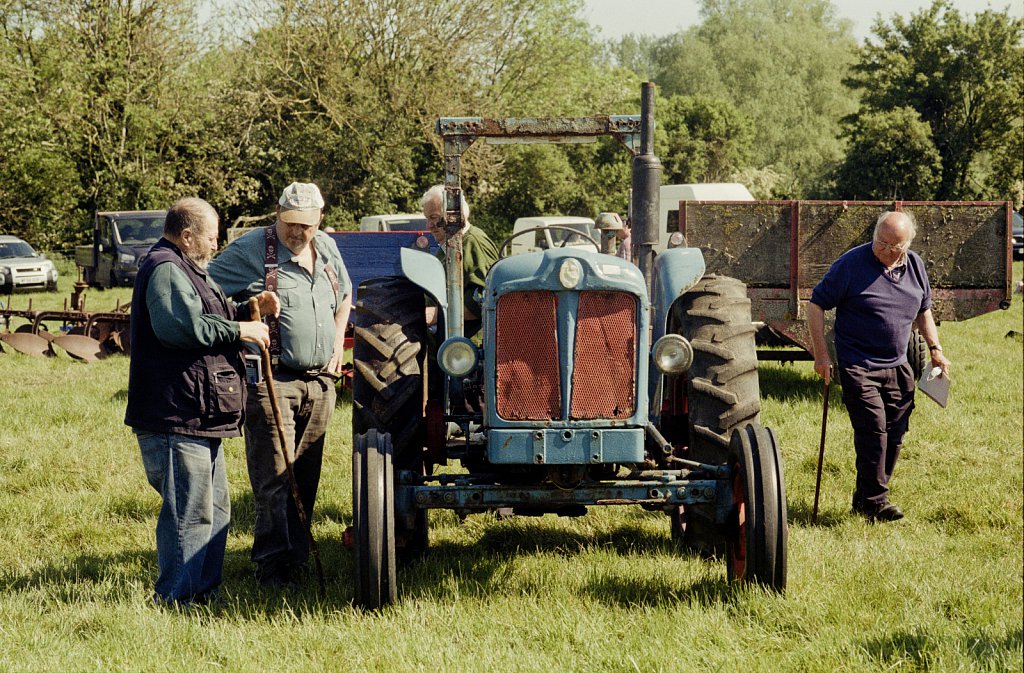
<point x="540" y="271"/>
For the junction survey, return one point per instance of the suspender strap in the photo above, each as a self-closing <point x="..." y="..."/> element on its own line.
<point x="333" y="277"/>
<point x="270" y="283"/>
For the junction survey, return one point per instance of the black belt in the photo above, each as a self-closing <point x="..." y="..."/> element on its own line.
<point x="307" y="375"/>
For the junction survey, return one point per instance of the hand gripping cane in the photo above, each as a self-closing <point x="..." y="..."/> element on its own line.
<point x="254" y="310"/>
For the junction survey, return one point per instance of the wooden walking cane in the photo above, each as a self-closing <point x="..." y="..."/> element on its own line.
<point x="821" y="452"/>
<point x="254" y="310"/>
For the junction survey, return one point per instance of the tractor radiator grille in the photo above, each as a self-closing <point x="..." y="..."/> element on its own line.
<point x="604" y="357"/>
<point x="527" y="383"/>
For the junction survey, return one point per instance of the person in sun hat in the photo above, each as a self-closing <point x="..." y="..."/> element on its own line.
<point x="302" y="265"/>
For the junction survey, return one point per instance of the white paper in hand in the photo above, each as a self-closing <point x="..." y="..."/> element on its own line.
<point x="935" y="385"/>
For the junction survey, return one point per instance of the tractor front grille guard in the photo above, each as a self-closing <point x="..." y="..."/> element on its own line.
<point x="528" y="376"/>
<point x="528" y="383"/>
<point x="604" y="357"/>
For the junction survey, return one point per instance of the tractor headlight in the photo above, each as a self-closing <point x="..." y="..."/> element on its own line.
<point x="673" y="354"/>
<point x="570" y="273"/>
<point x="458" y="356"/>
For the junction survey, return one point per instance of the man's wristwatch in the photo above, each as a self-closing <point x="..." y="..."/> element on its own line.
<point x="935" y="347"/>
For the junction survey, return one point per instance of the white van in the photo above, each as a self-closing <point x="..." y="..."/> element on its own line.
<point x="669" y="197"/>
<point x="552" y="238"/>
<point x="399" y="222"/>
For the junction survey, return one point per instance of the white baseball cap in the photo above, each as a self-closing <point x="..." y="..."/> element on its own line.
<point x="301" y="203"/>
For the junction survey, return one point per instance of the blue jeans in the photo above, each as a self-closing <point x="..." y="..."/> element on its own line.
<point x="192" y="529"/>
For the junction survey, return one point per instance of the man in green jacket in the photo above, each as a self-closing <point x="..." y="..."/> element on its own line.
<point x="478" y="254"/>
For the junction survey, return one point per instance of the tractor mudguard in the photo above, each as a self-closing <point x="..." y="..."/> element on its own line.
<point x="675" y="272"/>
<point x="427" y="272"/>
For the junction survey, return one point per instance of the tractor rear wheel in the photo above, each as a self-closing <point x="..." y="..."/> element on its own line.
<point x="757" y="532"/>
<point x="373" y="508"/>
<point x="389" y="361"/>
<point x="721" y="388"/>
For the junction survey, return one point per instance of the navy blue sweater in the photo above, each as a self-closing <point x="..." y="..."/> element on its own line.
<point x="874" y="313"/>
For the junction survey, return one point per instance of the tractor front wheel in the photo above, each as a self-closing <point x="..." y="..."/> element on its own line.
<point x="373" y="508"/>
<point x="757" y="532"/>
<point x="720" y="392"/>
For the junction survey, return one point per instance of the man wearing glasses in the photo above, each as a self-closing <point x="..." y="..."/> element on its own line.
<point x="478" y="254"/>
<point x="880" y="291"/>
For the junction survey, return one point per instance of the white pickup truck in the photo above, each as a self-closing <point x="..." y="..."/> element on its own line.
<point x="552" y="238"/>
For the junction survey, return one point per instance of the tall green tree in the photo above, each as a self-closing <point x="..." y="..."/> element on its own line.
<point x="103" y="110"/>
<point x="779" y="62"/>
<point x="348" y="95"/>
<point x="891" y="156"/>
<point x="705" y="139"/>
<point x="39" y="185"/>
<point x="964" y="79"/>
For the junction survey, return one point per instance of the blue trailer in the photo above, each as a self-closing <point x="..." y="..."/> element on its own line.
<point x="373" y="254"/>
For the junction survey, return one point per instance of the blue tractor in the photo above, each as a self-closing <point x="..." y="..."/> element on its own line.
<point x="598" y="382"/>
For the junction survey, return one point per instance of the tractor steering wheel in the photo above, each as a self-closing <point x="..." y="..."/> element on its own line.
<point x="575" y="232"/>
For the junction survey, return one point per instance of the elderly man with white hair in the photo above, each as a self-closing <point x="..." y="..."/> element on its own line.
<point x="880" y="291"/>
<point x="478" y="254"/>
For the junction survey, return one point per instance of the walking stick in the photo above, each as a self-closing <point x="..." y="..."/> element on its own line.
<point x="821" y="454"/>
<point x="254" y="310"/>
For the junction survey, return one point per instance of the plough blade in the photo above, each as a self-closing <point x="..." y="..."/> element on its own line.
<point x="26" y="343"/>
<point x="79" y="347"/>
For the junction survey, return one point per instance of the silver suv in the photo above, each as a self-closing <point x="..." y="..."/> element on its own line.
<point x="22" y="268"/>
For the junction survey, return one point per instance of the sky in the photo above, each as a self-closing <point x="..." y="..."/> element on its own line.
<point x="663" y="17"/>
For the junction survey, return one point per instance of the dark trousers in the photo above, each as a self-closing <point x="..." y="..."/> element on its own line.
<point x="306" y="405"/>
<point x="879" y="402"/>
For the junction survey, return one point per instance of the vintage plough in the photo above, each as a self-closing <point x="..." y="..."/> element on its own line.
<point x="80" y="334"/>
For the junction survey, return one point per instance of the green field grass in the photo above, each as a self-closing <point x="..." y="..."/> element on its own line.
<point x="938" y="591"/>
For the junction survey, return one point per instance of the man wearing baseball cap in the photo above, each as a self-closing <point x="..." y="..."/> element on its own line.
<point x="303" y="266"/>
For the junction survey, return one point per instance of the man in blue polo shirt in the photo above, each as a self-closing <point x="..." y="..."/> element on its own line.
<point x="303" y="267"/>
<point x="880" y="291"/>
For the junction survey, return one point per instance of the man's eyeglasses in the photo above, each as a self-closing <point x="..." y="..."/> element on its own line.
<point x="891" y="247"/>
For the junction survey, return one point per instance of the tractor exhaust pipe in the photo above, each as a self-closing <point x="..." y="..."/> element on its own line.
<point x="646" y="185"/>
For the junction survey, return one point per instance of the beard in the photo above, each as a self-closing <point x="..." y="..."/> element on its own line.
<point x="297" y="244"/>
<point x="200" y="259"/>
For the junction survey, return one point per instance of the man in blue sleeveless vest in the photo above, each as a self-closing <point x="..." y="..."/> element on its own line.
<point x="185" y="394"/>
<point x="880" y="291"/>
<point x="303" y="266"/>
